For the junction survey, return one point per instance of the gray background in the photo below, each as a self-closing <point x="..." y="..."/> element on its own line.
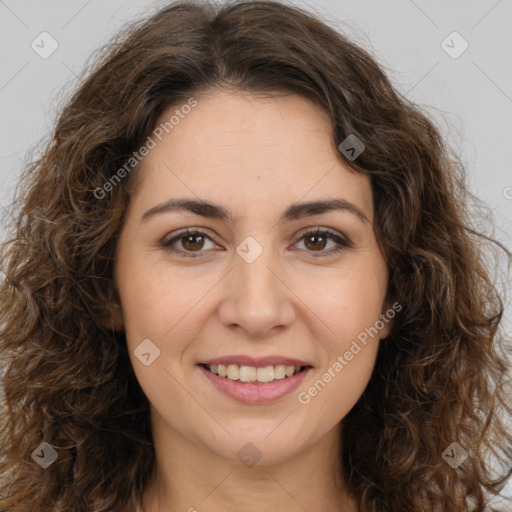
<point x="470" y="97"/>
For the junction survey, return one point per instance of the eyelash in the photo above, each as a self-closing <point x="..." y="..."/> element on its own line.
<point x="342" y="243"/>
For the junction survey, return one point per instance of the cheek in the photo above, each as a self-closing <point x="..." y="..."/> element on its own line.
<point x="339" y="384"/>
<point x="156" y="298"/>
<point x="350" y="346"/>
<point x="347" y="304"/>
<point x="351" y="309"/>
<point x="158" y="306"/>
<point x="348" y="383"/>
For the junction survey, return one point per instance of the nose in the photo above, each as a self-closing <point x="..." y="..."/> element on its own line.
<point x="257" y="299"/>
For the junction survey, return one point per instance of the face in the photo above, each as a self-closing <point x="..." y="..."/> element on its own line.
<point x="260" y="283"/>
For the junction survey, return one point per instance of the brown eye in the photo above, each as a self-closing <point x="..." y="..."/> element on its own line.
<point x="316" y="241"/>
<point x="191" y="242"/>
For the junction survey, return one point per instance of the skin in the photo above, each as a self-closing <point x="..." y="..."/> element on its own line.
<point x="255" y="156"/>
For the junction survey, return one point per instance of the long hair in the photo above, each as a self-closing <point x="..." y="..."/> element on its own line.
<point x="439" y="378"/>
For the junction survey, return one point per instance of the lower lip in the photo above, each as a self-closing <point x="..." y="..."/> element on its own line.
<point x="249" y="393"/>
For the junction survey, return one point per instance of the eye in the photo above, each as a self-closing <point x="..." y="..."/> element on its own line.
<point x="317" y="240"/>
<point x="193" y="241"/>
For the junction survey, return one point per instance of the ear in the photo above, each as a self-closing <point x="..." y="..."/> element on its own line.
<point x="388" y="324"/>
<point x="114" y="317"/>
<point x="388" y="314"/>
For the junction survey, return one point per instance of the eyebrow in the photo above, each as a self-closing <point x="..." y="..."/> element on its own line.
<point x="295" y="211"/>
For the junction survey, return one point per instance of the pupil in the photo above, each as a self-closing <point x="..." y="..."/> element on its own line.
<point x="191" y="237"/>
<point x="316" y="237"/>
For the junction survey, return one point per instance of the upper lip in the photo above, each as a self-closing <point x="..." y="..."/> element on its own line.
<point x="259" y="362"/>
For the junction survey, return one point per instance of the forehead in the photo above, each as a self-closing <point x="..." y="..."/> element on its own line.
<point x="229" y="122"/>
<point x="247" y="148"/>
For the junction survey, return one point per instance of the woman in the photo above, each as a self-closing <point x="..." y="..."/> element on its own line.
<point x="243" y="277"/>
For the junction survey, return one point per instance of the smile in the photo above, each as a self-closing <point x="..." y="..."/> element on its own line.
<point x="261" y="385"/>
<point x="254" y="374"/>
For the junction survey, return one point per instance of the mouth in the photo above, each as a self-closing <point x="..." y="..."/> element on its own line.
<point x="252" y="374"/>
<point x="254" y="385"/>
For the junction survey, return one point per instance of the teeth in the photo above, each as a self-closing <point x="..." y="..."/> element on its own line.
<point x="289" y="370"/>
<point x="265" y="374"/>
<point x="247" y="373"/>
<point x="233" y="372"/>
<point x="253" y="374"/>
<point x="279" y="371"/>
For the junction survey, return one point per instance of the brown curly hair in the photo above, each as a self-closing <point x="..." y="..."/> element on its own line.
<point x="67" y="379"/>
